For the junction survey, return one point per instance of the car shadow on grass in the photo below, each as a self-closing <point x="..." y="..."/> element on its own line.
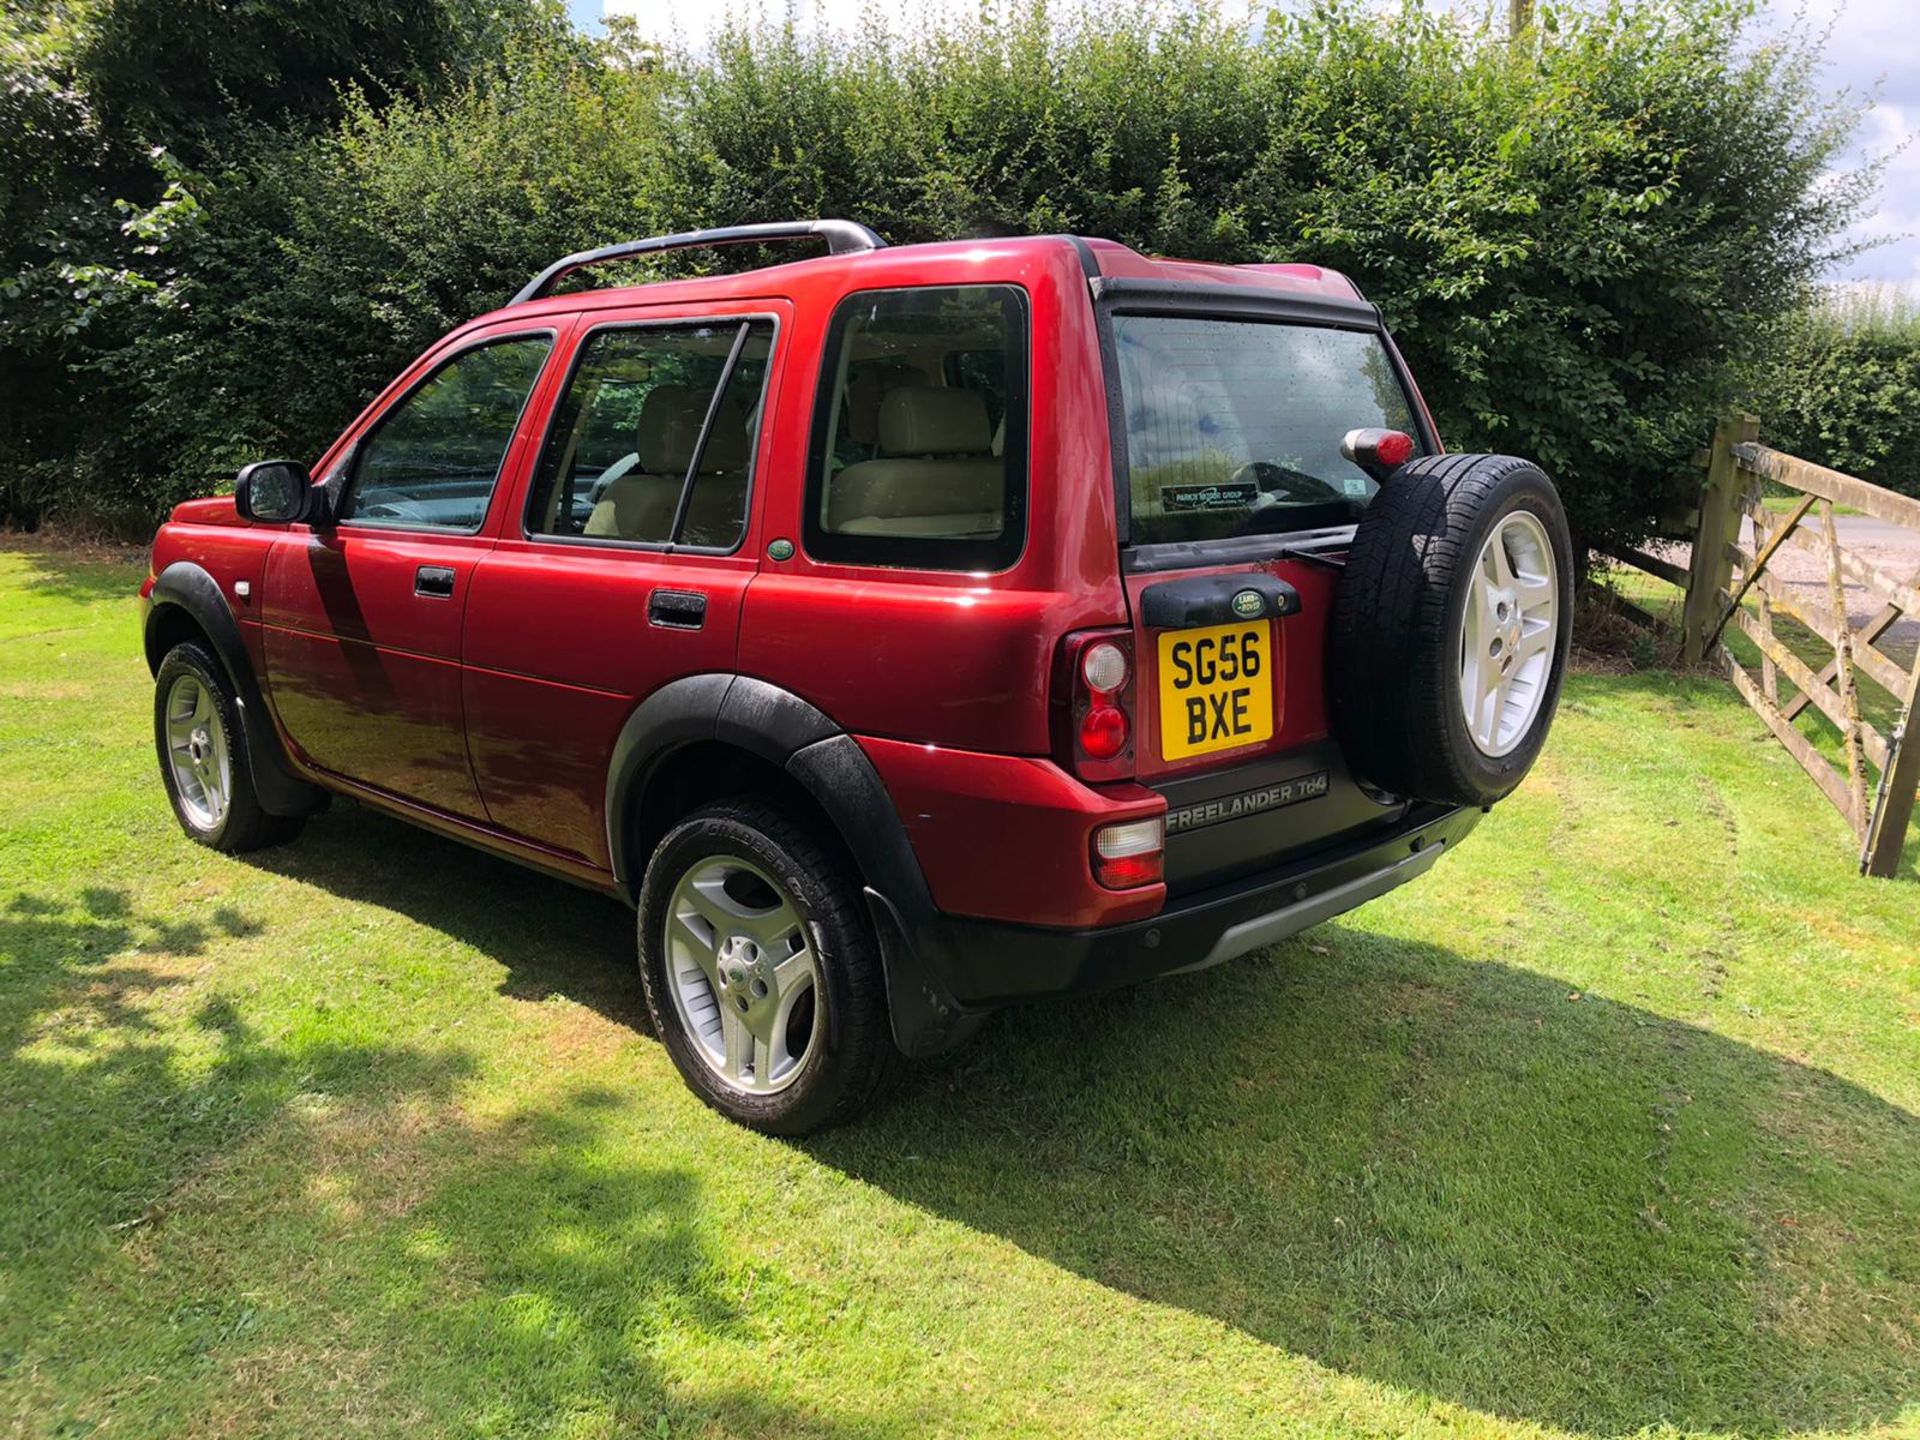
<point x="1455" y="1177"/>
<point x="554" y="938"/>
<point x="1447" y="1175"/>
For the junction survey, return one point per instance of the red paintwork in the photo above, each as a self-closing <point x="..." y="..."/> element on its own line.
<point x="1299" y="651"/>
<point x="1007" y="836"/>
<point x="490" y="716"/>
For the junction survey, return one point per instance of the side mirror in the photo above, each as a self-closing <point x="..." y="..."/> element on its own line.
<point x="274" y="492"/>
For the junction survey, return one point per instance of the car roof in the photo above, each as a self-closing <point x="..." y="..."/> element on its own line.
<point x="1098" y="258"/>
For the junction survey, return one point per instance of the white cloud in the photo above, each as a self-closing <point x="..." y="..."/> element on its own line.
<point x="1870" y="51"/>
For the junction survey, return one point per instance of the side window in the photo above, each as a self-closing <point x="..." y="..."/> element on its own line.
<point x="432" y="460"/>
<point x="919" y="453"/>
<point x="631" y="452"/>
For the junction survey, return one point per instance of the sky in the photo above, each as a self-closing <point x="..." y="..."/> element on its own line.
<point x="1872" y="50"/>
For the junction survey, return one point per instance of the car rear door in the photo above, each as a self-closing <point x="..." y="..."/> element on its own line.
<point x="362" y="618"/>
<point x="1239" y="510"/>
<point x="625" y="559"/>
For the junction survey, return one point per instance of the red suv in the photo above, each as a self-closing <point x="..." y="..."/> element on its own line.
<point x="904" y="632"/>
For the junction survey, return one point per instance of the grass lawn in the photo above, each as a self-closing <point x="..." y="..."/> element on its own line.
<point x="1606" y="1126"/>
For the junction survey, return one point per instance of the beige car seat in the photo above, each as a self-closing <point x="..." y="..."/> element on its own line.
<point x="640" y="504"/>
<point x="937" y="474"/>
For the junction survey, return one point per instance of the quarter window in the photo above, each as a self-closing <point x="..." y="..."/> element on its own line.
<point x="920" y="436"/>
<point x="432" y="461"/>
<point x="639" y="447"/>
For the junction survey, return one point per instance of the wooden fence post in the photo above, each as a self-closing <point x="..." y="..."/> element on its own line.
<point x="1711" y="571"/>
<point x="1887" y="828"/>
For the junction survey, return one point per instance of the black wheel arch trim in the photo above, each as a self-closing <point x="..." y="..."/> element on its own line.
<point x="829" y="765"/>
<point x="189" y="588"/>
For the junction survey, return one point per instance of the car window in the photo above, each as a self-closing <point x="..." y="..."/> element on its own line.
<point x="919" y="454"/>
<point x="432" y="460"/>
<point x="1233" y="427"/>
<point x="632" y="435"/>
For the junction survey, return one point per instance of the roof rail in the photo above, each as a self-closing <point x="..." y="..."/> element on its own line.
<point x="843" y="237"/>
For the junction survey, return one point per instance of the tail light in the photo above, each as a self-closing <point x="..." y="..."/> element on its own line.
<point x="1130" y="854"/>
<point x="1094" y="704"/>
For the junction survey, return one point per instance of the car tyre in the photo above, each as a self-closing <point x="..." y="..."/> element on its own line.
<point x="200" y="735"/>
<point x="1451" y="627"/>
<point x="761" y="971"/>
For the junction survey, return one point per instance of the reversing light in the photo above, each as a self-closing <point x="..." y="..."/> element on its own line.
<point x="1130" y="854"/>
<point x="1104" y="667"/>
<point x="1378" y="452"/>
<point x="1103" y="731"/>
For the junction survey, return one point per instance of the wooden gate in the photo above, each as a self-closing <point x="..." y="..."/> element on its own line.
<point x="1874" y="788"/>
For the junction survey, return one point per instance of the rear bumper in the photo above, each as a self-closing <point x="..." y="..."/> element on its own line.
<point x="968" y="966"/>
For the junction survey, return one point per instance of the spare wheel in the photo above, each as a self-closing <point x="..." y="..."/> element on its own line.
<point x="1450" y="628"/>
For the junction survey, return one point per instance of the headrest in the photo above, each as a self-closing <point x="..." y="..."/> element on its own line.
<point x="670" y="421"/>
<point x="934" y="420"/>
<point x="727" y="444"/>
<point x="866" y="387"/>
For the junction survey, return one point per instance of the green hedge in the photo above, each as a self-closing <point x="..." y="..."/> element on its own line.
<point x="1572" y="235"/>
<point x="1840" y="384"/>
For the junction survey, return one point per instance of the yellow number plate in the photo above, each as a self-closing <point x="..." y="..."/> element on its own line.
<point x="1216" y="689"/>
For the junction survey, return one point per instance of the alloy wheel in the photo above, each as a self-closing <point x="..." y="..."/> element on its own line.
<point x="1509" y="634"/>
<point x="742" y="973"/>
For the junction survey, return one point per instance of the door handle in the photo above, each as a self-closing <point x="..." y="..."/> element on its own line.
<point x="434" y="581"/>
<point x="677" y="609"/>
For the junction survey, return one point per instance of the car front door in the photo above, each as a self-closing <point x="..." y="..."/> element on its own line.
<point x="625" y="564"/>
<point x="362" y="616"/>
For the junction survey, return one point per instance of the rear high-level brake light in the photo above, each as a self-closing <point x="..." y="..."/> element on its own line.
<point x="1131" y="854"/>
<point x="1094" y="704"/>
<point x="1378" y="452"/>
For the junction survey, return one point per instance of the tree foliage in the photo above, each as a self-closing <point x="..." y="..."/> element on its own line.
<point x="1572" y="234"/>
<point x="1839" y="384"/>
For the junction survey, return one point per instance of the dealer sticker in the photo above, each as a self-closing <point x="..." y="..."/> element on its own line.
<point x="1232" y="495"/>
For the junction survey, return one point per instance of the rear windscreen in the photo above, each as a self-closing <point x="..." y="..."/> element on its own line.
<point x="1233" y="427"/>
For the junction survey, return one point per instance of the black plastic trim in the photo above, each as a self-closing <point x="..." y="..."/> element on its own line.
<point x="1209" y="301"/>
<point x="1317" y="547"/>
<point x="676" y="714"/>
<point x="770" y="721"/>
<point x="1198" y="600"/>
<point x="829" y="765"/>
<point x="677" y="609"/>
<point x="193" y="590"/>
<point x="984" y="963"/>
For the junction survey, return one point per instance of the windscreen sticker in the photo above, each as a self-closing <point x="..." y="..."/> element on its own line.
<point x="1233" y="495"/>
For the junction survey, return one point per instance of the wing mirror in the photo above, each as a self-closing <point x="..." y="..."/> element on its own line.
<point x="274" y="492"/>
